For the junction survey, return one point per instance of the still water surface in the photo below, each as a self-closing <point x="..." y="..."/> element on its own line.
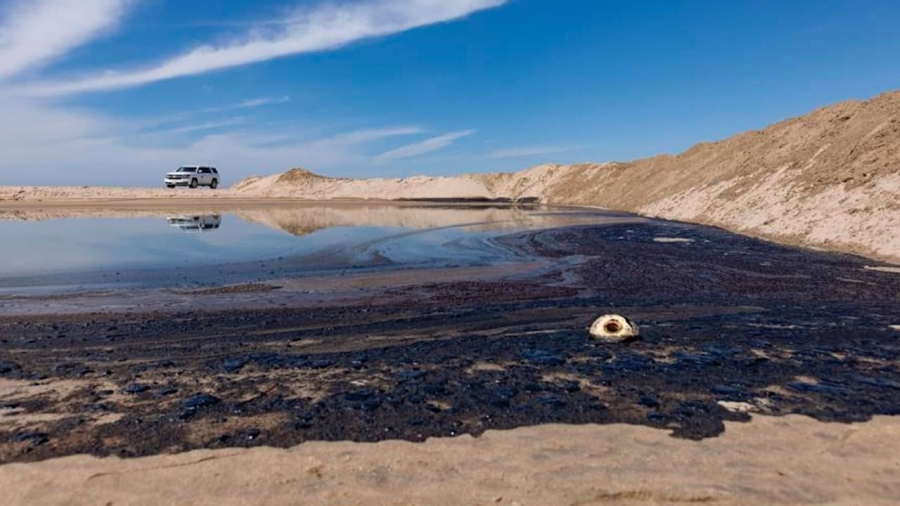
<point x="53" y="250"/>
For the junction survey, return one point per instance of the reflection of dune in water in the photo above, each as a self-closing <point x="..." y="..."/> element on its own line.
<point x="308" y="219"/>
<point x="305" y="219"/>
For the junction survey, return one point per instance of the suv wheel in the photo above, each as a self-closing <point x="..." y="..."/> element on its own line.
<point x="214" y="184"/>
<point x="193" y="183"/>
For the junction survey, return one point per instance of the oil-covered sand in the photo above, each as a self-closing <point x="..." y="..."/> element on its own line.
<point x="731" y="327"/>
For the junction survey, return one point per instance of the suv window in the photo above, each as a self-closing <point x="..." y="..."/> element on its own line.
<point x="204" y="170"/>
<point x="215" y="171"/>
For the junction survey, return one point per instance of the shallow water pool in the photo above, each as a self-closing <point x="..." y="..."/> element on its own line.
<point x="94" y="249"/>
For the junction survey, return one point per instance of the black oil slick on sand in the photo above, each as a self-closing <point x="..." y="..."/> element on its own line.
<point x="730" y="325"/>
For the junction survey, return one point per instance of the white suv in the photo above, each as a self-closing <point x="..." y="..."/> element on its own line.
<point x="193" y="176"/>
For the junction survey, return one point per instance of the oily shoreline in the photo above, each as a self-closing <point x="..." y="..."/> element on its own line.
<point x="732" y="325"/>
<point x="77" y="202"/>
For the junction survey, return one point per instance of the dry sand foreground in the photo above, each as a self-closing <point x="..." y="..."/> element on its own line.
<point x="792" y="460"/>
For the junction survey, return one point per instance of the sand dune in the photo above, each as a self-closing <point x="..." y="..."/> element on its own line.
<point x="830" y="179"/>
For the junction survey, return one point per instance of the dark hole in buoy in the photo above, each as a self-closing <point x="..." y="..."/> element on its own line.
<point x="612" y="327"/>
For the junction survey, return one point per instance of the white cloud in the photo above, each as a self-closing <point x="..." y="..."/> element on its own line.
<point x="46" y="142"/>
<point x="251" y="103"/>
<point x="420" y="148"/>
<point x="344" y="141"/>
<point x="55" y="145"/>
<point x="363" y="136"/>
<point x="321" y="28"/>
<point x="165" y="121"/>
<point x="522" y="152"/>
<point x="209" y="125"/>
<point x="257" y="102"/>
<point x="35" y="32"/>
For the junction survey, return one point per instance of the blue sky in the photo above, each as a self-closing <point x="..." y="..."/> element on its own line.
<point x="118" y="91"/>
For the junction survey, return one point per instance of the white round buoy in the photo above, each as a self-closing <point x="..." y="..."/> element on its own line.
<point x="615" y="328"/>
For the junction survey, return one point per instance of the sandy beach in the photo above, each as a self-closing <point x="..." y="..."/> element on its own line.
<point x="789" y="460"/>
<point x="765" y="373"/>
<point x="449" y="252"/>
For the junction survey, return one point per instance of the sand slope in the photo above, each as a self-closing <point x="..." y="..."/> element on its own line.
<point x="540" y="182"/>
<point x="829" y="179"/>
<point x="789" y="460"/>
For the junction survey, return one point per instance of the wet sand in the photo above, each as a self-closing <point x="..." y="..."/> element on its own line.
<point x="732" y="326"/>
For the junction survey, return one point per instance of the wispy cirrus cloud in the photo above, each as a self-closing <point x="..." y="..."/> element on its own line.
<point x="526" y="151"/>
<point x="209" y="125"/>
<point x="321" y="28"/>
<point x="340" y="141"/>
<point x="153" y="123"/>
<point x="374" y="134"/>
<point x="251" y="103"/>
<point x="33" y="33"/>
<point x="423" y="147"/>
<point x="54" y="142"/>
<point x="53" y="145"/>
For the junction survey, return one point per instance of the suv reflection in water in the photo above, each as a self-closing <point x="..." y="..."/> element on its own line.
<point x="196" y="223"/>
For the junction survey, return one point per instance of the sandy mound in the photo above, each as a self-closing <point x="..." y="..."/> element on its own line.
<point x="298" y="175"/>
<point x="829" y="179"/>
<point x="535" y="182"/>
<point x="793" y="460"/>
<point x="302" y="184"/>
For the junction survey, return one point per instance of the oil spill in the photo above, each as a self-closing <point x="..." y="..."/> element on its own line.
<point x="724" y="319"/>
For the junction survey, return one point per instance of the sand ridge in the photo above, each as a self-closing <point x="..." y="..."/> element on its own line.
<point x="830" y="179"/>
